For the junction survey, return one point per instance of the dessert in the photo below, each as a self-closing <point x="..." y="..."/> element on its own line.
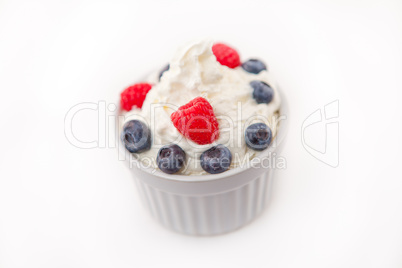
<point x="203" y="113"/>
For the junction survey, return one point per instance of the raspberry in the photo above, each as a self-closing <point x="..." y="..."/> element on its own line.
<point x="196" y="121"/>
<point x="226" y="55"/>
<point x="134" y="96"/>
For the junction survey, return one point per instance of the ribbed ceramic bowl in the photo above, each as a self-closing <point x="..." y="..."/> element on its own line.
<point x="208" y="204"/>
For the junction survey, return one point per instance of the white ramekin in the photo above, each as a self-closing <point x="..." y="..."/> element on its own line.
<point x="208" y="204"/>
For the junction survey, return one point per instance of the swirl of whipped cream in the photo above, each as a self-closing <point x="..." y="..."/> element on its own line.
<point x="194" y="71"/>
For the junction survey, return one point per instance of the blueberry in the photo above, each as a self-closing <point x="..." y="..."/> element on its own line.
<point x="170" y="158"/>
<point x="253" y="66"/>
<point x="258" y="136"/>
<point x="163" y="70"/>
<point x="216" y="160"/>
<point x="262" y="93"/>
<point x="136" y="136"/>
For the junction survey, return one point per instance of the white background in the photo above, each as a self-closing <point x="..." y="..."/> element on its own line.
<point x="61" y="206"/>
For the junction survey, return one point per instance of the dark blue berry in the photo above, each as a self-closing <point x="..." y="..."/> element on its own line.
<point x="258" y="136"/>
<point x="262" y="93"/>
<point x="163" y="70"/>
<point x="216" y="160"/>
<point x="136" y="136"/>
<point x="171" y="158"/>
<point x="253" y="66"/>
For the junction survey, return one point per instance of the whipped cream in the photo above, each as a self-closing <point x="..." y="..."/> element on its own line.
<point x="194" y="71"/>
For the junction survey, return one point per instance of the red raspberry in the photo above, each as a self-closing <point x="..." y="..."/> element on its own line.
<point x="196" y="121"/>
<point x="226" y="55"/>
<point x="134" y="96"/>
